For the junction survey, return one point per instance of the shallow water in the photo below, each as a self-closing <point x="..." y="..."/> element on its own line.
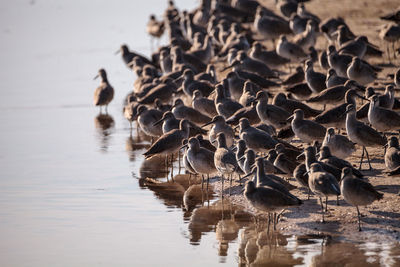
<point x="71" y="187"/>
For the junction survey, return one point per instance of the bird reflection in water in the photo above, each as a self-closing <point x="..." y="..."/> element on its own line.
<point x="133" y="144"/>
<point x="104" y="124"/>
<point x="183" y="192"/>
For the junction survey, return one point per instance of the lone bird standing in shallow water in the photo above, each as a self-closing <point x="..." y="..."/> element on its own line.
<point x="105" y="92"/>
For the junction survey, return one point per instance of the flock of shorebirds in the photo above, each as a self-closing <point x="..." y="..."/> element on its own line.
<point x="216" y="79"/>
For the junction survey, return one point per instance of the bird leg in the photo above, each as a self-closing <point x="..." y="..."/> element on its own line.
<point x="106" y="109"/>
<point x="309" y="193"/>
<point x="230" y="183"/>
<point x="337" y="201"/>
<point x="326" y="204"/>
<point x="166" y="166"/>
<point x="202" y="182"/>
<point x="362" y="157"/>
<point x="269" y="221"/>
<point x="322" y="209"/>
<point x="222" y="187"/>
<point x="274" y="218"/>
<point x="179" y="161"/>
<point x="172" y="167"/>
<point x="208" y="179"/>
<point x="359" y="219"/>
<point x="369" y="163"/>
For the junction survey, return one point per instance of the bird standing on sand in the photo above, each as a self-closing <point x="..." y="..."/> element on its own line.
<point x="357" y="192"/>
<point x="361" y="133"/>
<point x="323" y="184"/>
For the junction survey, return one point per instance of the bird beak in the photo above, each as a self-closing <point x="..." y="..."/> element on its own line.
<point x="117" y="52"/>
<point x="318" y="154"/>
<point x="237" y="126"/>
<point x="362" y="97"/>
<point x="298" y="157"/>
<point x="158" y="122"/>
<point x="306" y="173"/>
<point x="241" y="158"/>
<point x="289" y="119"/>
<point x="249" y="174"/>
<point x="208" y="123"/>
<point x="233" y="64"/>
<point x="185" y="146"/>
<point x="95" y="77"/>
<point x="234" y="148"/>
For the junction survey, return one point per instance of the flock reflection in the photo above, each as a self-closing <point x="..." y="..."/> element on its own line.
<point x="205" y="214"/>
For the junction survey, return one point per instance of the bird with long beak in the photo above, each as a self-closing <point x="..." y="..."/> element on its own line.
<point x="362" y="134"/>
<point x="105" y="92"/>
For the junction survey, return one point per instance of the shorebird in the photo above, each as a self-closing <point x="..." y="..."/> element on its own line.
<point x="169" y="143"/>
<point x="224" y="160"/>
<point x="339" y="145"/>
<point x="357" y="192"/>
<point x="308" y="38"/>
<point x="128" y="56"/>
<point x="283" y="163"/>
<point x="315" y="80"/>
<point x="295" y="78"/>
<point x="146" y="120"/>
<point x="290" y="50"/>
<point x="300" y="91"/>
<point x="220" y="126"/>
<point x="323" y="60"/>
<point x="236" y="84"/>
<point x="190" y="84"/>
<point x="155" y="28"/>
<point x="323" y="184"/>
<point x="290" y="106"/>
<point x="181" y="111"/>
<point x="334" y="117"/>
<point x="270" y="114"/>
<point x="240" y="153"/>
<point x="269" y="27"/>
<point x="392" y="155"/>
<point x="248" y="94"/>
<point x="246" y="112"/>
<point x="310" y="153"/>
<point x="332" y="79"/>
<point x="333" y="95"/>
<point x="301" y="176"/>
<point x="255" y="139"/>
<point x="361" y="73"/>
<point x="130" y="110"/>
<point x="201" y="159"/>
<point x="297" y="24"/>
<point x="270" y="58"/>
<point x="169" y="123"/>
<point x="356" y="47"/>
<point x="307" y="131"/>
<point x="246" y="63"/>
<point x="162" y="91"/>
<point x="225" y="106"/>
<point x="105" y="92"/>
<point x="204" y="105"/>
<point x="267" y="199"/>
<point x="362" y="134"/>
<point x="328" y="158"/>
<point x="382" y="119"/>
<point x="291" y="153"/>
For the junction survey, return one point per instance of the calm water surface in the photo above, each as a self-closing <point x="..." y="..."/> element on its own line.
<point x="70" y="187"/>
